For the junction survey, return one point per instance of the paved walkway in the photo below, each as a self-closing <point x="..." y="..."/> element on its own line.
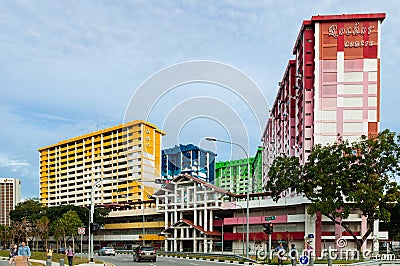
<point x="57" y="263"/>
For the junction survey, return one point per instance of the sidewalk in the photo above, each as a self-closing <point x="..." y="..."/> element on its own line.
<point x="58" y="264"/>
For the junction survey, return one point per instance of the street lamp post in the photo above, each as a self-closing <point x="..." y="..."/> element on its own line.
<point x="91" y="218"/>
<point x="248" y="187"/>
<point x="143" y="231"/>
<point x="222" y="220"/>
<point x="242" y="225"/>
<point x="90" y="253"/>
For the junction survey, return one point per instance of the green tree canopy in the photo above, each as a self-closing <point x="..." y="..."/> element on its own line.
<point x="70" y="221"/>
<point x="55" y="212"/>
<point x="342" y="176"/>
<point x="30" y="209"/>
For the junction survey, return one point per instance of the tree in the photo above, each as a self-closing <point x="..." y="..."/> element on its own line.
<point x="25" y="217"/>
<point x="58" y="232"/>
<point x="30" y="209"/>
<point x="393" y="227"/>
<point x="42" y="227"/>
<point x="100" y="214"/>
<point x="5" y="235"/>
<point x="342" y="176"/>
<point x="55" y="212"/>
<point x="70" y="222"/>
<point x="20" y="230"/>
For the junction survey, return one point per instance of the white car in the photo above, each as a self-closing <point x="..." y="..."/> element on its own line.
<point x="106" y="251"/>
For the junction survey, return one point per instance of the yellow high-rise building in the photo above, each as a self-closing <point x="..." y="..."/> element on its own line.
<point x="129" y="154"/>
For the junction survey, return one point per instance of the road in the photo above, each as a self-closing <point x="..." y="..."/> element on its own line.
<point x="122" y="260"/>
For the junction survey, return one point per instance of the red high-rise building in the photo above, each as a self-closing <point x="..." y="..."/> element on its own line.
<point x="330" y="90"/>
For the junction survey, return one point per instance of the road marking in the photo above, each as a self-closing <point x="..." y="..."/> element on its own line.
<point x="193" y="263"/>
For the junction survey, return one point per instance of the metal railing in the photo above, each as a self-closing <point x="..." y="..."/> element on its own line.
<point x="212" y="256"/>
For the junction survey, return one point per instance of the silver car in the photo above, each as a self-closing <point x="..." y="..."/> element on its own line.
<point x="144" y="253"/>
<point x="106" y="251"/>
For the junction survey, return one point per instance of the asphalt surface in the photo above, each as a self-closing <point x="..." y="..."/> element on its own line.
<point x="124" y="259"/>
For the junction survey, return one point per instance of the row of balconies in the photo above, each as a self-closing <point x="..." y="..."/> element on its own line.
<point x="135" y="225"/>
<point x="78" y="153"/>
<point x="64" y="176"/>
<point x="146" y="237"/>
<point x="97" y="138"/>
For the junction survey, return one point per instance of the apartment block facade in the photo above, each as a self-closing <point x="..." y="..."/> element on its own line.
<point x="330" y="90"/>
<point x="233" y="175"/>
<point x="10" y="196"/>
<point x="128" y="159"/>
<point x="188" y="159"/>
<point x="69" y="169"/>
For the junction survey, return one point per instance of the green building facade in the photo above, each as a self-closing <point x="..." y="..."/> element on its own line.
<point x="232" y="175"/>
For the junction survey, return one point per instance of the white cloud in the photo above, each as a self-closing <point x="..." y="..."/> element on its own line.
<point x="14" y="164"/>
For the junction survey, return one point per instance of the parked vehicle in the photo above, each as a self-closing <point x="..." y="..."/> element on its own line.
<point x="106" y="251"/>
<point x="144" y="253"/>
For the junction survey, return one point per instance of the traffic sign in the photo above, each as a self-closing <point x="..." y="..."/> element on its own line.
<point x="304" y="260"/>
<point x="270" y="218"/>
<point x="81" y="230"/>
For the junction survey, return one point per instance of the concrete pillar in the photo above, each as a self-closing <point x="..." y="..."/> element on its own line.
<point x="205" y="219"/>
<point x="338" y="235"/>
<point x="364" y="228"/>
<point x="195" y="215"/>
<point x="194" y="241"/>
<point x="318" y="234"/>
<point x="182" y="203"/>
<point x="211" y="220"/>
<point x="375" y="238"/>
<point x="309" y="226"/>
<point x="166" y="220"/>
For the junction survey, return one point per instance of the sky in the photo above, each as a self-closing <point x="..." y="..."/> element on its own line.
<point x="68" y="68"/>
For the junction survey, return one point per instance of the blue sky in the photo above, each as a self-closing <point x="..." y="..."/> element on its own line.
<point x="71" y="67"/>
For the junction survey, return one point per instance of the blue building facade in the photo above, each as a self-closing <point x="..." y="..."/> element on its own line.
<point x="188" y="159"/>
